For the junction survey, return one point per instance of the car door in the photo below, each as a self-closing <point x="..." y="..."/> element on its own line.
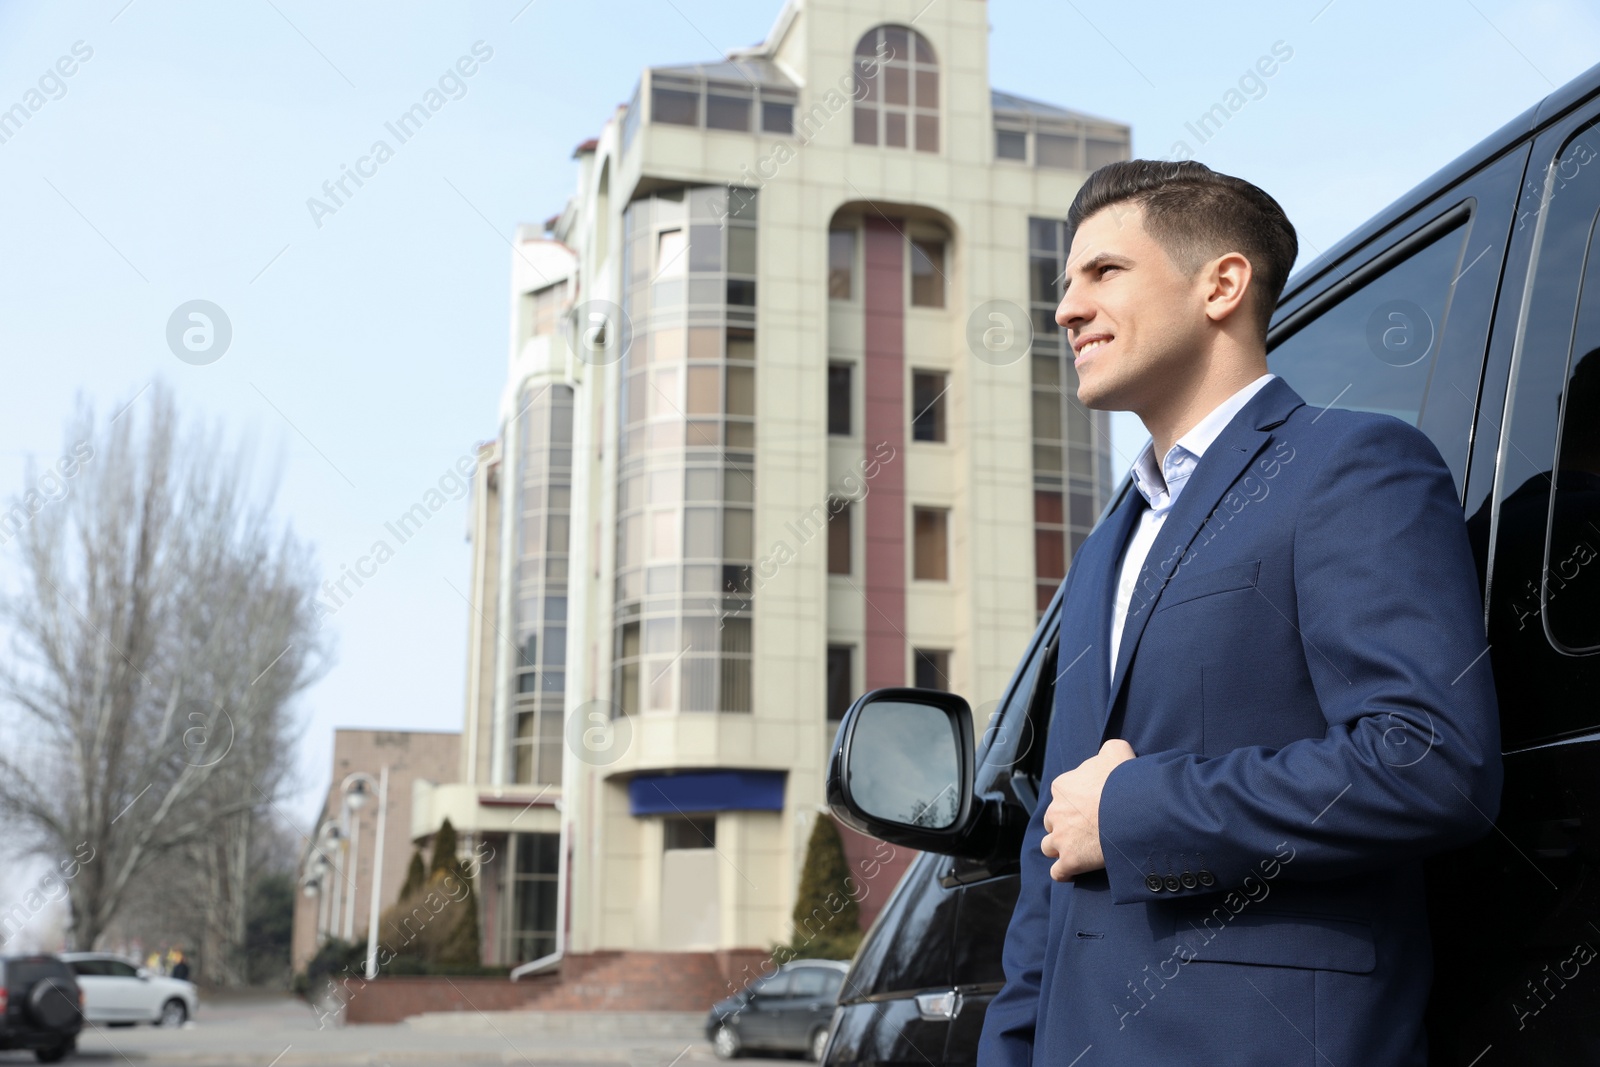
<point x="760" y="1021"/>
<point x="808" y="1005"/>
<point x="104" y="998"/>
<point x="1517" y="980"/>
<point x="135" y="996"/>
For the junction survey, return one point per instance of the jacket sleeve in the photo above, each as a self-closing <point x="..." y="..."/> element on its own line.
<point x="1008" y="1024"/>
<point x="1391" y="624"/>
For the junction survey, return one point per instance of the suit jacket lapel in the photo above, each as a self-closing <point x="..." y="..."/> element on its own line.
<point x="1224" y="461"/>
<point x="1082" y="658"/>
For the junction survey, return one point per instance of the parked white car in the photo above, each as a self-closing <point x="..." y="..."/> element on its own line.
<point x="117" y="991"/>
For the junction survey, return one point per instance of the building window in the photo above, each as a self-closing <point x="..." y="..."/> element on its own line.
<point x="839" y="399"/>
<point x="685" y="489"/>
<point x="675" y="101"/>
<point x="930" y="545"/>
<point x="542" y="502"/>
<point x="728" y="107"/>
<point x="1061" y="140"/>
<point x="777" y="118"/>
<point x="841" y="264"/>
<point x="542" y="309"/>
<point x="928" y="389"/>
<point x="535" y="872"/>
<point x="896" y="90"/>
<point x="838" y="536"/>
<point x="670" y="248"/>
<point x="1071" y="461"/>
<point x="841" y="680"/>
<point x="931" y="669"/>
<point x="686" y="99"/>
<point x="689" y="831"/>
<point x="927" y="273"/>
<point x="1011" y="144"/>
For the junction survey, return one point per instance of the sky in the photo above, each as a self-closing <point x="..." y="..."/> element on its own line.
<point x="368" y="345"/>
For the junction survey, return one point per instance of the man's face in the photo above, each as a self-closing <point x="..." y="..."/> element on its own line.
<point x="1134" y="320"/>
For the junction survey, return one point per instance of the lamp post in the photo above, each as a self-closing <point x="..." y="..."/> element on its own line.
<point x="329" y="834"/>
<point x="317" y="884"/>
<point x="377" y="875"/>
<point x="357" y="788"/>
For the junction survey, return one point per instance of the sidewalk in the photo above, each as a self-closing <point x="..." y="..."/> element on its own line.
<point x="283" y="1032"/>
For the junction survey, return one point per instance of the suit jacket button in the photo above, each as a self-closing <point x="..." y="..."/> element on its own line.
<point x="1173" y="885"/>
<point x="1207" y="879"/>
<point x="1154" y="883"/>
<point x="1189" y="881"/>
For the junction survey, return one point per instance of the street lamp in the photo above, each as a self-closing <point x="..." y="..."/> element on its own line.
<point x="377" y="876"/>
<point x="329" y="835"/>
<point x="357" y="789"/>
<point x="319" y="879"/>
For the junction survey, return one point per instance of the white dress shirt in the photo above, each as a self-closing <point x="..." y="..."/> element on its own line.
<point x="1160" y="488"/>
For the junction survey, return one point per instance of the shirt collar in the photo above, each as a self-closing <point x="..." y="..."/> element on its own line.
<point x="1160" y="486"/>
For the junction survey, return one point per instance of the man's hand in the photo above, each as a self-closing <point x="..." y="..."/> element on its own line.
<point x="1072" y="821"/>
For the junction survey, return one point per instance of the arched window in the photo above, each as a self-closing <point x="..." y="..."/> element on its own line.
<point x="897" y="90"/>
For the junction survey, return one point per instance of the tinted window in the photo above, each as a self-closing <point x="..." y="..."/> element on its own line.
<point x="21" y="974"/>
<point x="119" y="969"/>
<point x="1544" y="584"/>
<point x="1376" y="349"/>
<point x="89" y="967"/>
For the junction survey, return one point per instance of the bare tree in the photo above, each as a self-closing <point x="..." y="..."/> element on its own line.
<point x="164" y="625"/>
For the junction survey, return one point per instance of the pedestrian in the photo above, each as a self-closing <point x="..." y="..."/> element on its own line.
<point x="1282" y="705"/>
<point x="180" y="966"/>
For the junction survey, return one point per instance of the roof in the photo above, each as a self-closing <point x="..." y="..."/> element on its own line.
<point x="1021" y="105"/>
<point x="753" y="71"/>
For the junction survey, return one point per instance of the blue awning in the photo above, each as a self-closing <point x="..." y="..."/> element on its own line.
<point x="695" y="791"/>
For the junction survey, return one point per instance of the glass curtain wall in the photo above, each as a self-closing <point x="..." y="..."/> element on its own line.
<point x="1071" y="443"/>
<point x="686" y="479"/>
<point x="545" y="502"/>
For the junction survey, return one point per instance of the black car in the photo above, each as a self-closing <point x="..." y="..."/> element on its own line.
<point x="1471" y="308"/>
<point x="787" y="1011"/>
<point x="41" y="1007"/>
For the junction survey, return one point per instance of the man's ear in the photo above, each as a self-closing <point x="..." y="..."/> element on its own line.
<point x="1226" y="282"/>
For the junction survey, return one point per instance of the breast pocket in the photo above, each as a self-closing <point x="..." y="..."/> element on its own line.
<point x="1186" y="588"/>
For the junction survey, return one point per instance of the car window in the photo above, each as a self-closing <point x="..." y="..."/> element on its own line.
<point x="23" y="973"/>
<point x="1544" y="581"/>
<point x="1378" y="348"/>
<point x="92" y="968"/>
<point x="119" y="969"/>
<point x="776" y="986"/>
<point x="809" y="982"/>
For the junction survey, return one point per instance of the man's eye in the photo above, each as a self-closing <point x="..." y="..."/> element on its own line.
<point x="1107" y="266"/>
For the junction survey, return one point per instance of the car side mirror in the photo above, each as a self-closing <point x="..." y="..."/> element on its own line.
<point x="902" y="770"/>
<point x="144" y="974"/>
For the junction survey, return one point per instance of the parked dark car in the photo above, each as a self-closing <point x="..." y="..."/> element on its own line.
<point x="787" y="1011"/>
<point x="1471" y="308"/>
<point x="41" y="1007"/>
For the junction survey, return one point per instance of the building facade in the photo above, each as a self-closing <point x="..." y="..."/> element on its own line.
<point x="339" y="861"/>
<point x="787" y="418"/>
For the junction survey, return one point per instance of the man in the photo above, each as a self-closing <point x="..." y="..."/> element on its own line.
<point x="1272" y="699"/>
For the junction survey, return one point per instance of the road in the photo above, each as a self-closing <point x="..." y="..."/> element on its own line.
<point x="283" y="1032"/>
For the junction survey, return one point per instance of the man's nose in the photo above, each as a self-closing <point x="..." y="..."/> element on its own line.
<point x="1071" y="311"/>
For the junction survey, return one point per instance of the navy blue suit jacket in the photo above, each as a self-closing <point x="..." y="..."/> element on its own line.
<point x="1302" y="677"/>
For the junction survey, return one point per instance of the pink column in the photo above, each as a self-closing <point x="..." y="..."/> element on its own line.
<point x="883" y="385"/>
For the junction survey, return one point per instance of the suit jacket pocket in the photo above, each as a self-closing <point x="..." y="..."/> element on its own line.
<point x="1185" y="587"/>
<point x="1279" y="939"/>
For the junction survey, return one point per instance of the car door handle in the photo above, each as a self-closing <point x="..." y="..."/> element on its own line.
<point x="939" y="1006"/>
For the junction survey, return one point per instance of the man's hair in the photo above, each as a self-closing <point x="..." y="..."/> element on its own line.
<point x="1197" y="215"/>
